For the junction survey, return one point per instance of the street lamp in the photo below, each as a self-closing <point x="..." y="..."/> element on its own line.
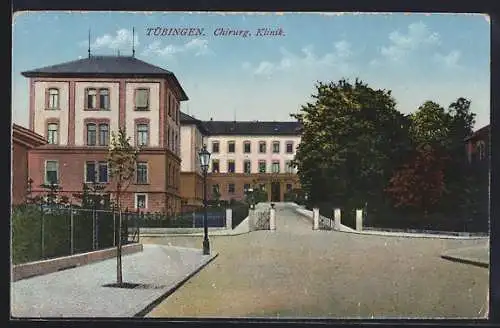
<point x="204" y="160"/>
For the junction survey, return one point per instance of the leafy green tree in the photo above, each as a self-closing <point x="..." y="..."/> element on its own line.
<point x="430" y="125"/>
<point x="122" y="161"/>
<point x="352" y="139"/>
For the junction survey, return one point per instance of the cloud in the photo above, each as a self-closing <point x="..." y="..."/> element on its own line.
<point x="306" y="59"/>
<point x="450" y="60"/>
<point x="198" y="47"/>
<point x="121" y="40"/>
<point x="417" y="37"/>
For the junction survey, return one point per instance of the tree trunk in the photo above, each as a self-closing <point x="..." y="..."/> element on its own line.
<point x="119" y="275"/>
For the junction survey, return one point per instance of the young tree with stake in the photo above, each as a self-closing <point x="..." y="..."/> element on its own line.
<point x="122" y="161"/>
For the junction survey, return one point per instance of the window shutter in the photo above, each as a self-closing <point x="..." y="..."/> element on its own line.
<point x="141" y="98"/>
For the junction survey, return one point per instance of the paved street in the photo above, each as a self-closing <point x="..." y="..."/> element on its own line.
<point x="297" y="272"/>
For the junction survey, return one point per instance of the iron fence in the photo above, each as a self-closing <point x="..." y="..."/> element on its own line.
<point x="215" y="219"/>
<point x="48" y="231"/>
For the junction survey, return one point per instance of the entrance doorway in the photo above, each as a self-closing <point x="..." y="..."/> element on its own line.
<point x="275" y="192"/>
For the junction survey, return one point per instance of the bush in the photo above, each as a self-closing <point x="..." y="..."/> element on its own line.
<point x="27" y="221"/>
<point x="26" y="234"/>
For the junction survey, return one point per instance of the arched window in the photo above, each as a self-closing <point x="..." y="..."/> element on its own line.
<point x="52" y="133"/>
<point x="103" y="134"/>
<point x="53" y="101"/>
<point x="91" y="134"/>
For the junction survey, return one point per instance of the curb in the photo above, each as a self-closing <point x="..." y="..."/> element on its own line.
<point x="465" y="261"/>
<point x="170" y="291"/>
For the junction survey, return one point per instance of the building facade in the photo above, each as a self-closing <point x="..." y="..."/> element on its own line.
<point x="192" y="137"/>
<point x="23" y="140"/>
<point x="77" y="105"/>
<point x="251" y="154"/>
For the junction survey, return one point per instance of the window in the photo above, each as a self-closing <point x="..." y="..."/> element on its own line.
<point x="169" y="101"/>
<point x="90" y="172"/>
<point x="104" y="99"/>
<point x="142" y="134"/>
<point x="51" y="172"/>
<point x="103" y="134"/>
<point x="103" y="172"/>
<point x="289" y="167"/>
<point x="230" y="188"/>
<point x="481" y="150"/>
<point x="275" y="167"/>
<point x="215" y="189"/>
<point x="91" y="99"/>
<point x="142" y="99"/>
<point x="288" y="187"/>
<point x="247" y="165"/>
<point x="262" y="166"/>
<point x="289" y="147"/>
<point x="141" y="201"/>
<point x="246" y="186"/>
<point x="276" y="147"/>
<point x="96" y="172"/>
<point x="176" y="148"/>
<point x="142" y="173"/>
<point x="215" y="147"/>
<point x="262" y="187"/>
<point x="262" y="147"/>
<point x="53" y="98"/>
<point x="230" y="147"/>
<point x="52" y="133"/>
<point x="247" y="147"/>
<point x="215" y="166"/>
<point x="91" y="134"/>
<point x="230" y="166"/>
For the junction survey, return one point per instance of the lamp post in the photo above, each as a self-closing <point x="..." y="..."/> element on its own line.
<point x="204" y="160"/>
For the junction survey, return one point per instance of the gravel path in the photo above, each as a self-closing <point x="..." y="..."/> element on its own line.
<point x="297" y="272"/>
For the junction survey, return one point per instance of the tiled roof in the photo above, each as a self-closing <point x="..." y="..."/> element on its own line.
<point x="484" y="131"/>
<point x="252" y="128"/>
<point x="105" y="66"/>
<point x="27" y="137"/>
<point x="187" y="119"/>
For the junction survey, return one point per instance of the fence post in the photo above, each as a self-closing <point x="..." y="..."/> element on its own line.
<point x="272" y="218"/>
<point x="72" y="230"/>
<point x="315" y="218"/>
<point x="93" y="227"/>
<point x="114" y="225"/>
<point x="194" y="219"/>
<point x="229" y="218"/>
<point x="42" y="232"/>
<point x="97" y="229"/>
<point x="359" y="219"/>
<point x="337" y="219"/>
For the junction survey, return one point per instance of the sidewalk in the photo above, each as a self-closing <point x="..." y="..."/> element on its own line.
<point x="79" y="292"/>
<point x="475" y="255"/>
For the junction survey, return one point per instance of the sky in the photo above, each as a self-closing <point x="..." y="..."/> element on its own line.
<point x="419" y="57"/>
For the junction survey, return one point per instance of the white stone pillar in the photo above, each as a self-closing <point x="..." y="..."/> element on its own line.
<point x="315" y="218"/>
<point x="337" y="219"/>
<point x="272" y="219"/>
<point x="251" y="218"/>
<point x="359" y="220"/>
<point x="229" y="218"/>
